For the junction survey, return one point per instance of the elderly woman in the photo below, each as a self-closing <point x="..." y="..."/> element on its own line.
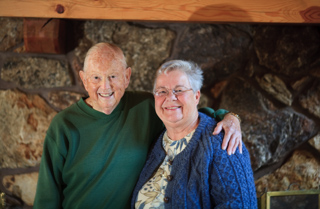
<point x="186" y="168"/>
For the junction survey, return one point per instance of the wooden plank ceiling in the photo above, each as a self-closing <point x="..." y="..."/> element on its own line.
<point x="246" y="11"/>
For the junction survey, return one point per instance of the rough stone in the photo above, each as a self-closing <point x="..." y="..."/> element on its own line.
<point x="20" y="49"/>
<point x="145" y="49"/>
<point x="76" y="66"/>
<point x="80" y="53"/>
<point x="22" y="186"/>
<point x="315" y="142"/>
<point x="311" y="100"/>
<point x="268" y="132"/>
<point x="315" y="68"/>
<point x="301" y="83"/>
<point x="276" y="87"/>
<point x="11" y="33"/>
<point x="302" y="169"/>
<point x="276" y="47"/>
<point x="218" y="88"/>
<point x="32" y="73"/>
<point x="315" y="72"/>
<point x="63" y="99"/>
<point x="25" y="120"/>
<point x="221" y="52"/>
<point x="204" y="101"/>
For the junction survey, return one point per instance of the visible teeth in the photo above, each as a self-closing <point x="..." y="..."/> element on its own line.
<point x="172" y="108"/>
<point x="106" y="95"/>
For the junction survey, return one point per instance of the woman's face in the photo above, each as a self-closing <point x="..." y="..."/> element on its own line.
<point x="176" y="110"/>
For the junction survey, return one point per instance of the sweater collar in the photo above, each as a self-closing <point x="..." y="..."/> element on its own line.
<point x="97" y="114"/>
<point x="203" y="121"/>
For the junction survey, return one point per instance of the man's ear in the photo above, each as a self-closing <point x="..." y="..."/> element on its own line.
<point x="127" y="76"/>
<point x="82" y="76"/>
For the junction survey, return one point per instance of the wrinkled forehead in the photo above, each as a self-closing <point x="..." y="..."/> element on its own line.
<point x="105" y="62"/>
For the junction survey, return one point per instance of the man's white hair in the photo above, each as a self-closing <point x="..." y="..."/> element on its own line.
<point x="105" y="50"/>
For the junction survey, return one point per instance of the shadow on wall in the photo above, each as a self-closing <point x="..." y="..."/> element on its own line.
<point x="220" y="13"/>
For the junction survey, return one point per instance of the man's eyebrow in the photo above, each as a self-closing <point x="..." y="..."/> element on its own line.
<point x="159" y="87"/>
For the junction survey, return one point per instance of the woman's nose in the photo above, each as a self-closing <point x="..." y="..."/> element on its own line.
<point x="171" y="95"/>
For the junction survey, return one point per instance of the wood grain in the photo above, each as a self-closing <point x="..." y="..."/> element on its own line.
<point x="252" y="11"/>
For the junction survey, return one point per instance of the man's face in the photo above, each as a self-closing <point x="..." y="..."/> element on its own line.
<point x="105" y="81"/>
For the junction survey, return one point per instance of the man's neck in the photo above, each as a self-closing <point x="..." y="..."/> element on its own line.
<point x="106" y="111"/>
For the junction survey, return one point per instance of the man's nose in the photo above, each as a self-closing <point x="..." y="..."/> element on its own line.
<point x="106" y="83"/>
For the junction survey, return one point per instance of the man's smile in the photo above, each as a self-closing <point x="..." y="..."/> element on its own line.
<point x="106" y="94"/>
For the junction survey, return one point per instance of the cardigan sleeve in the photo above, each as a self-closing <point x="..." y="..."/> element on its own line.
<point x="231" y="180"/>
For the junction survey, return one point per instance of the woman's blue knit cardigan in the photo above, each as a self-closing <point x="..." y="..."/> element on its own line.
<point x="204" y="175"/>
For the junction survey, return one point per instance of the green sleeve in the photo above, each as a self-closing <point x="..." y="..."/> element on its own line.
<point x="219" y="114"/>
<point x="49" y="191"/>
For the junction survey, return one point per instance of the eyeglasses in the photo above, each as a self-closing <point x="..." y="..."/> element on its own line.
<point x="178" y="91"/>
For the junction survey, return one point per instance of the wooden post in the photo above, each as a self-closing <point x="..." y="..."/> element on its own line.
<point x="44" y="35"/>
<point x="213" y="11"/>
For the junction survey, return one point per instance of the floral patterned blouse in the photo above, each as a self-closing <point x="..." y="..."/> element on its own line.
<point x="153" y="192"/>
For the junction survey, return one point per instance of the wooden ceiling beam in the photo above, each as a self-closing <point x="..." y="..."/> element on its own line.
<point x="217" y="11"/>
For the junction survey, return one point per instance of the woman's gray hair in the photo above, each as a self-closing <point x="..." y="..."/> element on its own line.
<point x="191" y="69"/>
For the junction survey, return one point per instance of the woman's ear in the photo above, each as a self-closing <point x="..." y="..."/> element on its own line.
<point x="197" y="96"/>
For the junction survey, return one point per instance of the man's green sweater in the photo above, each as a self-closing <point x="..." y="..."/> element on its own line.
<point x="93" y="160"/>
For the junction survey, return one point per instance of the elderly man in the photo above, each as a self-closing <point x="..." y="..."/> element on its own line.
<point x="95" y="149"/>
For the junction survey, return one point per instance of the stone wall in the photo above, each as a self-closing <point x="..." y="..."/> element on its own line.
<point x="268" y="74"/>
